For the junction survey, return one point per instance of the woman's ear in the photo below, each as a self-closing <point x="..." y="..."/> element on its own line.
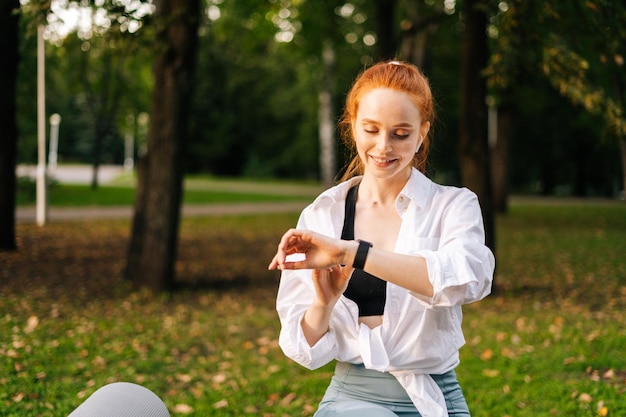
<point x="424" y="129"/>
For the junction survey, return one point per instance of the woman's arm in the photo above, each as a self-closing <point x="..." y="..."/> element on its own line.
<point x="322" y="252"/>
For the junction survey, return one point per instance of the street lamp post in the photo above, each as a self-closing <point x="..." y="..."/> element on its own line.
<point x="55" y="121"/>
<point x="129" y="159"/>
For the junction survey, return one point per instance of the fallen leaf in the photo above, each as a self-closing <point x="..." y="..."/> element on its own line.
<point x="584" y="397"/>
<point x="491" y="373"/>
<point x="508" y="353"/>
<point x="272" y="369"/>
<point x="183" y="408"/>
<point x="31" y="324"/>
<point x="219" y="378"/>
<point x="610" y="374"/>
<point x="183" y="377"/>
<point x="287" y="399"/>
<point x="221" y="404"/>
<point x="486" y="355"/>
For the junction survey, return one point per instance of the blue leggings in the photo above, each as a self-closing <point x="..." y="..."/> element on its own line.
<point x="355" y="391"/>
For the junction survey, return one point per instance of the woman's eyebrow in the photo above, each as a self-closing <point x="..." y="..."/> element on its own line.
<point x="401" y="124"/>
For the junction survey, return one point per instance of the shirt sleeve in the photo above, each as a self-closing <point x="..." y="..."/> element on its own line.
<point x="295" y="294"/>
<point x="461" y="269"/>
<point x="292" y="303"/>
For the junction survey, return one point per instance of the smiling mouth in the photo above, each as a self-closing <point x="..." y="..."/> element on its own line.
<point x="382" y="161"/>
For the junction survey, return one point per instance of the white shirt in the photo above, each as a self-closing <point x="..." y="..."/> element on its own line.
<point x="419" y="335"/>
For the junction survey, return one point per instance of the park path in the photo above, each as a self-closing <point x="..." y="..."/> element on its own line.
<point x="28" y="214"/>
<point x="81" y="174"/>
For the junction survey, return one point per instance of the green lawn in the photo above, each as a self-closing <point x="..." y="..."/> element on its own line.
<point x="551" y="342"/>
<point x="197" y="190"/>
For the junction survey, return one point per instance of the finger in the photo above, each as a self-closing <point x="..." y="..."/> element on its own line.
<point x="295" y="265"/>
<point x="273" y="263"/>
<point x="288" y="237"/>
<point x="284" y="247"/>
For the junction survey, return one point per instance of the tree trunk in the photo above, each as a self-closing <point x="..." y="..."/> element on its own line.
<point x="500" y="157"/>
<point x="622" y="148"/>
<point x="95" y="159"/>
<point x="326" y="117"/>
<point x="386" y="42"/>
<point x="133" y="262"/>
<point x="414" y="48"/>
<point x="418" y="22"/>
<point x="9" y="44"/>
<point x="473" y="141"/>
<point x="152" y="253"/>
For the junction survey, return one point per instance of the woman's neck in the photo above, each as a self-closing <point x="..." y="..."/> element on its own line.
<point x="381" y="192"/>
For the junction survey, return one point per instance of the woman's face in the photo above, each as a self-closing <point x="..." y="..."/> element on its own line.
<point x="388" y="131"/>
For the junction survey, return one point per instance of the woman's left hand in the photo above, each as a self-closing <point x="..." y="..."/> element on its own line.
<point x="320" y="251"/>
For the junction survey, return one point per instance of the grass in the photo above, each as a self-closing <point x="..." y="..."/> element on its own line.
<point x="198" y="190"/>
<point x="549" y="343"/>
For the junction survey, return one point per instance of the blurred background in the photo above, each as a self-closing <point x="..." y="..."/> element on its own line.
<point x="267" y="69"/>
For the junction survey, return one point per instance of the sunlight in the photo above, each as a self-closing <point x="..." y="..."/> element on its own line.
<point x="213" y="13"/>
<point x="70" y="17"/>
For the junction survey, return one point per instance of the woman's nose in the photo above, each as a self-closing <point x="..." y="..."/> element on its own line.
<point x="383" y="143"/>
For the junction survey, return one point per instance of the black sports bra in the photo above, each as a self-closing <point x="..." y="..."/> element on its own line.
<point x="366" y="290"/>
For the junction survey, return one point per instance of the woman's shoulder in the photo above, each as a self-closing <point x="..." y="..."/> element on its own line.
<point x="454" y="191"/>
<point x="327" y="208"/>
<point x="425" y="191"/>
<point x="334" y="194"/>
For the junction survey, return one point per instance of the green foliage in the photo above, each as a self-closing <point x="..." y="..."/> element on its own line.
<point x="255" y="105"/>
<point x="550" y="343"/>
<point x="255" y="108"/>
<point x="577" y="45"/>
<point x="95" y="79"/>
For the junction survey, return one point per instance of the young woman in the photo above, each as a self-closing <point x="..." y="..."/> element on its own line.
<point x="376" y="272"/>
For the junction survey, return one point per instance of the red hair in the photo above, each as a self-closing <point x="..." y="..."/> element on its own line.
<point x="394" y="75"/>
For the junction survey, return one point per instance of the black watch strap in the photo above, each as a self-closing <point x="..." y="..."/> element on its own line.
<point x="361" y="254"/>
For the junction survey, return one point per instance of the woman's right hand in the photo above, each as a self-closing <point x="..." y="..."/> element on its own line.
<point x="330" y="283"/>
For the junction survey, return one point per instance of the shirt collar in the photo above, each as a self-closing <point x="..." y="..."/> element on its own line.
<point x="417" y="189"/>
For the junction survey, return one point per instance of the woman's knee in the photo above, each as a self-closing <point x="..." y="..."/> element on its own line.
<point x="122" y="399"/>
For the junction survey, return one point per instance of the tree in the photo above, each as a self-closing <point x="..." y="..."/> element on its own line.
<point x="9" y="44"/>
<point x="474" y="151"/>
<point x="578" y="48"/>
<point x="321" y="33"/>
<point x="589" y="70"/>
<point x="96" y="84"/>
<point x="153" y="244"/>
<point x="387" y="43"/>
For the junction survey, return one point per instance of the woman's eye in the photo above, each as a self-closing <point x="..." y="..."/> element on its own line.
<point x="401" y="135"/>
